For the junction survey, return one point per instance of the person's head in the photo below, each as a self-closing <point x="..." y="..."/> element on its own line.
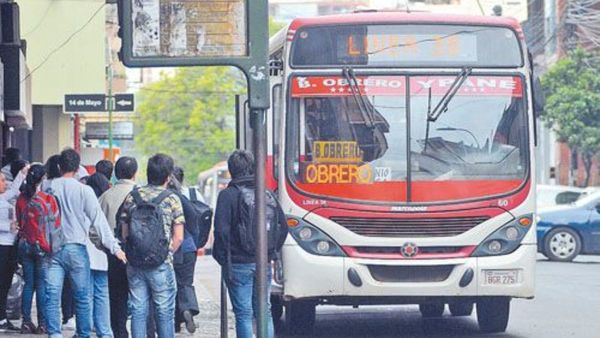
<point x="105" y="167"/>
<point x="52" y="167"/>
<point x="160" y="167"/>
<point x="16" y="166"/>
<point x="178" y="173"/>
<point x="11" y="154"/>
<point x="69" y="161"/>
<point x="126" y="168"/>
<point x="35" y="175"/>
<point x="99" y="183"/>
<point x="241" y="163"/>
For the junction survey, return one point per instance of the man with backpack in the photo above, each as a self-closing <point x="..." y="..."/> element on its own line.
<point x="125" y="171"/>
<point x="152" y="227"/>
<point x="198" y="217"/>
<point x="79" y="211"/>
<point x="235" y="240"/>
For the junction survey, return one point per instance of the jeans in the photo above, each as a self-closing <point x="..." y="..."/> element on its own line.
<point x="71" y="261"/>
<point x="8" y="265"/>
<point x="100" y="300"/>
<point x="34" y="274"/>
<point x="243" y="296"/>
<point x="119" y="294"/>
<point x="67" y="304"/>
<point x="158" y="285"/>
<point x="186" y="294"/>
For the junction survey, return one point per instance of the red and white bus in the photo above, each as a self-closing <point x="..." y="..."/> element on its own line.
<point x="401" y="147"/>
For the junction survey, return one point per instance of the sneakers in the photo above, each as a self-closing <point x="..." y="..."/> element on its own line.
<point x="41" y="330"/>
<point x="28" y="328"/>
<point x="189" y="321"/>
<point x="6" y="325"/>
<point x="69" y="325"/>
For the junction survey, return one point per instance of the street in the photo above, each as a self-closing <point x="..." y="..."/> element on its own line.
<point x="566" y="305"/>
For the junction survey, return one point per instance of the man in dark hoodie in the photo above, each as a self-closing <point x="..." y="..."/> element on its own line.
<point x="228" y="250"/>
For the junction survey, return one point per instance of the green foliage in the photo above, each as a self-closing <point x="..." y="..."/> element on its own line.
<point x="572" y="88"/>
<point x="190" y="116"/>
<point x="274" y="26"/>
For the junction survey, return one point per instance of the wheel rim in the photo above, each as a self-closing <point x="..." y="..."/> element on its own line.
<point x="563" y="244"/>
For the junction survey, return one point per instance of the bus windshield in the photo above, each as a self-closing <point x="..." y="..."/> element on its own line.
<point x="372" y="141"/>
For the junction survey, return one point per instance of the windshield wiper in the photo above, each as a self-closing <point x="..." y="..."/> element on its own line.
<point x="442" y="106"/>
<point x="360" y="99"/>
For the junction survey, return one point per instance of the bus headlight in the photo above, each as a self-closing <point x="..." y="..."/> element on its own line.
<point x="313" y="240"/>
<point x="506" y="239"/>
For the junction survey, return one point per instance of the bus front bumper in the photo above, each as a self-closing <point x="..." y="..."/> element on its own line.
<point x="326" y="279"/>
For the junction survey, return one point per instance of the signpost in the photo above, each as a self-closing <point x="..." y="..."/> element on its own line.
<point x="82" y="103"/>
<point x="124" y="102"/>
<point x="122" y="130"/>
<point x="170" y="33"/>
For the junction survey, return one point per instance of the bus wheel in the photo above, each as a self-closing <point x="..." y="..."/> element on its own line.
<point x="461" y="308"/>
<point x="493" y="313"/>
<point x="432" y="310"/>
<point x="300" y="316"/>
<point x="276" y="308"/>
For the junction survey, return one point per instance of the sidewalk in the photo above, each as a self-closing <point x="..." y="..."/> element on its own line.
<point x="207" y="283"/>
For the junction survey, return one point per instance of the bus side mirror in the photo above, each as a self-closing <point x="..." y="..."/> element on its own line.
<point x="539" y="99"/>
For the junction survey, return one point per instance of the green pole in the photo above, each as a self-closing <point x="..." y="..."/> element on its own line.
<point x="110" y="112"/>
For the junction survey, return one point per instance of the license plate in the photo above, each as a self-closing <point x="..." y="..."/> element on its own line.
<point x="501" y="277"/>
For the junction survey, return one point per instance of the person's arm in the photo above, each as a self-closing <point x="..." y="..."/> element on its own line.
<point x="14" y="189"/>
<point x="178" y="223"/>
<point x="94" y="212"/>
<point x="223" y="219"/>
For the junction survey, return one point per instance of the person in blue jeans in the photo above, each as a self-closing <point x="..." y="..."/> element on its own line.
<point x="79" y="210"/>
<point x="229" y="251"/>
<point x="153" y="283"/>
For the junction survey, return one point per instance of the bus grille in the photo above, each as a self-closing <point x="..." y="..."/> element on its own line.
<point x="409" y="227"/>
<point x="410" y="273"/>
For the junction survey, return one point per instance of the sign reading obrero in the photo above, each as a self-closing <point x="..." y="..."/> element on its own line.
<point x="337" y="162"/>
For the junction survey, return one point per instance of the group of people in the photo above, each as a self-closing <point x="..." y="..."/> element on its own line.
<point x="111" y="249"/>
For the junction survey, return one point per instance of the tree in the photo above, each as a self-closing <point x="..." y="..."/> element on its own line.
<point x="572" y="88"/>
<point x="190" y="116"/>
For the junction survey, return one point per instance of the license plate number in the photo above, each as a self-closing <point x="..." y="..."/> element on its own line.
<point x="501" y="277"/>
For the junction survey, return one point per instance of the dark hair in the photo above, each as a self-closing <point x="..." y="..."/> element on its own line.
<point x="126" y="168"/>
<point x="99" y="183"/>
<point x="105" y="167"/>
<point x="16" y="166"/>
<point x="160" y="167"/>
<point x="241" y="163"/>
<point x="178" y="173"/>
<point x="11" y="154"/>
<point x="35" y="175"/>
<point x="52" y="167"/>
<point x="69" y="161"/>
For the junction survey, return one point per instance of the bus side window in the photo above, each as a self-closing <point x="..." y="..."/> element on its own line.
<point x="277" y="111"/>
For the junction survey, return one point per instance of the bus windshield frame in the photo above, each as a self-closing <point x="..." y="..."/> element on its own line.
<point x="292" y="167"/>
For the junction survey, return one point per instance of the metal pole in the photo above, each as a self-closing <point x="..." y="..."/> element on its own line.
<point x="76" y="133"/>
<point x="224" y="315"/>
<point x="110" y="112"/>
<point x="260" y="149"/>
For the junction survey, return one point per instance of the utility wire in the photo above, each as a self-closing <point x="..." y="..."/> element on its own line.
<point x="64" y="42"/>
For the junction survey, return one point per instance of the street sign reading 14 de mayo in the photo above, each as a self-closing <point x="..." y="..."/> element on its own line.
<point x="86" y="103"/>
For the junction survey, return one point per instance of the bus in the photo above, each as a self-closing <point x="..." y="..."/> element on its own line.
<point x="401" y="148"/>
<point x="212" y="181"/>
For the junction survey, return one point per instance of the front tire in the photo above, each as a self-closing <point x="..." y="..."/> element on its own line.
<point x="300" y="317"/>
<point x="432" y="310"/>
<point x="562" y="245"/>
<point x="493" y="313"/>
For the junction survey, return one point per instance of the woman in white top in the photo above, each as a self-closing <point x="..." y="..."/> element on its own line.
<point x="8" y="237"/>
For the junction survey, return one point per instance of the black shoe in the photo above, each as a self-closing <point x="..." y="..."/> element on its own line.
<point x="189" y="321"/>
<point x="8" y="326"/>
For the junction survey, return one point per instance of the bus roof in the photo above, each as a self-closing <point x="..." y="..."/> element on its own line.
<point x="403" y="17"/>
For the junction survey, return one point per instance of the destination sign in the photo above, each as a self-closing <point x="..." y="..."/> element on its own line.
<point x="190" y="28"/>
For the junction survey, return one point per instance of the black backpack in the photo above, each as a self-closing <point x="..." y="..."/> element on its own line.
<point x="147" y="243"/>
<point x="198" y="218"/>
<point x="246" y="228"/>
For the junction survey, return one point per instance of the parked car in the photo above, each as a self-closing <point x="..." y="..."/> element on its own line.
<point x="550" y="195"/>
<point x="566" y="231"/>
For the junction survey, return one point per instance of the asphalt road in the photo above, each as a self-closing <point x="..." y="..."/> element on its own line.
<point x="567" y="304"/>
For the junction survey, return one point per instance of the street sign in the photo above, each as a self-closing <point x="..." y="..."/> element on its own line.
<point x="99" y="130"/>
<point x="124" y="102"/>
<point x="85" y="103"/>
<point x="79" y="103"/>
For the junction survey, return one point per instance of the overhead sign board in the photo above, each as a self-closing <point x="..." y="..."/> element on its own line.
<point x="124" y="102"/>
<point x="99" y="130"/>
<point x="80" y="103"/>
